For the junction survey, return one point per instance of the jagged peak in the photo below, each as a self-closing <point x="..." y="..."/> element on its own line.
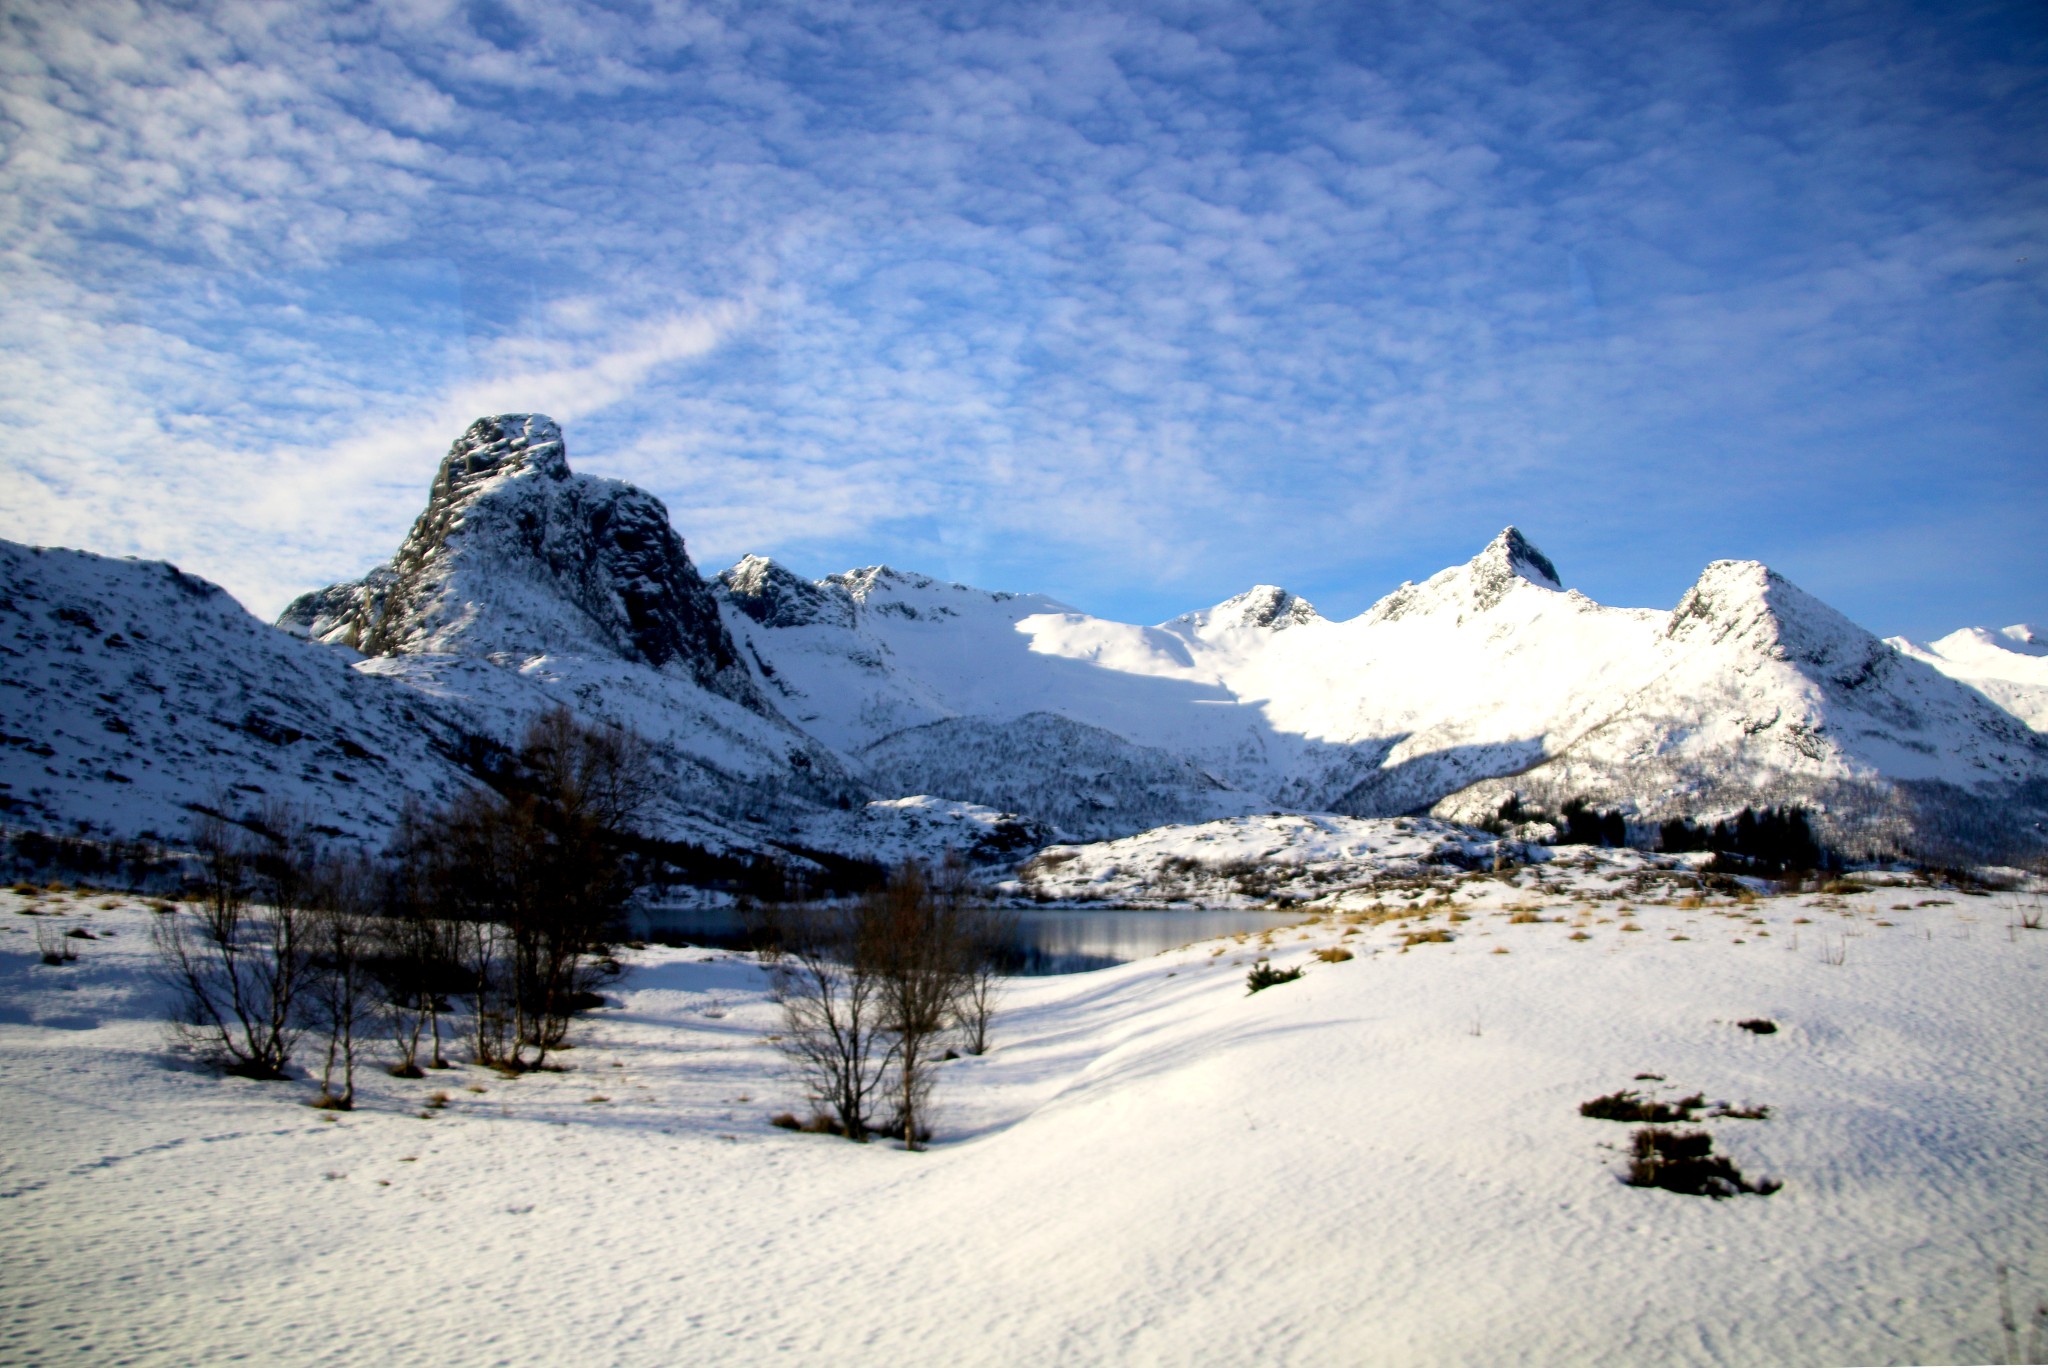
<point x="1518" y="556"/>
<point x="775" y="596"/>
<point x="506" y="445"/>
<point x="1747" y="603"/>
<point x="752" y="574"/>
<point x="1479" y="585"/>
<point x="870" y="579"/>
<point x="1261" y="606"/>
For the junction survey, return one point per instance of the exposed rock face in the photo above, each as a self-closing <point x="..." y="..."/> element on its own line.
<point x="1261" y="606"/>
<point x="515" y="556"/>
<point x="774" y="597"/>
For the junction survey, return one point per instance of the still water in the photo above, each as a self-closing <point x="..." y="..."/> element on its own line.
<point x="1048" y="941"/>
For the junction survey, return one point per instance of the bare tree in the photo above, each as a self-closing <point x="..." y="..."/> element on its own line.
<point x="416" y="959"/>
<point x="536" y="871"/>
<point x="238" y="963"/>
<point x="990" y="933"/>
<point x="915" y="935"/>
<point x="582" y="793"/>
<point x="339" y="999"/>
<point x="831" y="998"/>
<point x="870" y="989"/>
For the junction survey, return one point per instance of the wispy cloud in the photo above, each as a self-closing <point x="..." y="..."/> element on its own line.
<point x="1132" y="303"/>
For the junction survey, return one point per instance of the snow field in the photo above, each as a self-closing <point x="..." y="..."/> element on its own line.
<point x="1382" y="1162"/>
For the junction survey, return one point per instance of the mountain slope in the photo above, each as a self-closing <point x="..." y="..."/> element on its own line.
<point x="783" y="708"/>
<point x="2008" y="666"/>
<point x="133" y="692"/>
<point x="1767" y="695"/>
<point x="1487" y="681"/>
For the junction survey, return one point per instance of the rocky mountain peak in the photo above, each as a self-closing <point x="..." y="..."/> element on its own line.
<point x="509" y="444"/>
<point x="1478" y="586"/>
<point x="1512" y="553"/>
<point x="516" y="556"/>
<point x="1265" y="606"/>
<point x="1751" y="606"/>
<point x="776" y="597"/>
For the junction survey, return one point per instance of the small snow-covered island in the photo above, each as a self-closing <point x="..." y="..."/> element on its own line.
<point x="538" y="951"/>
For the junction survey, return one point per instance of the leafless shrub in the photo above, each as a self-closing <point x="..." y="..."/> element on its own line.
<point x="917" y="932"/>
<point x="869" y="989"/>
<point x="53" y="945"/>
<point x="533" y="874"/>
<point x="417" y="959"/>
<point x="239" y="960"/>
<point x="989" y="932"/>
<point x="830" y="993"/>
<point x="340" y="995"/>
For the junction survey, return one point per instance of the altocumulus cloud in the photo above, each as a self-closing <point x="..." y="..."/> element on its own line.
<point x="1130" y="303"/>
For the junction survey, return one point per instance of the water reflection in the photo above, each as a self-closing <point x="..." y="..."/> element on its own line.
<point x="1048" y="941"/>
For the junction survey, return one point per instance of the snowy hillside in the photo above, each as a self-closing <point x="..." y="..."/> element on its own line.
<point x="1084" y="780"/>
<point x="130" y="692"/>
<point x="1384" y="1162"/>
<point x="892" y="830"/>
<point x="2008" y="666"/>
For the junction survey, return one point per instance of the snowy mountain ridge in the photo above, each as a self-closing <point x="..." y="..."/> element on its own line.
<point x="1487" y="682"/>
<point x="2009" y="666"/>
<point x="776" y="700"/>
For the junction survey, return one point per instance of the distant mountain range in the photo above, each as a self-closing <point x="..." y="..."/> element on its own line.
<point x="794" y="714"/>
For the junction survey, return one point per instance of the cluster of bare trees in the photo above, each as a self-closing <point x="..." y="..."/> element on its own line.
<point x="872" y="989"/>
<point x="495" y="912"/>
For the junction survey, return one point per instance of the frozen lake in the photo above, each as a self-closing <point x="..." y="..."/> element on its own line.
<point x="1048" y="940"/>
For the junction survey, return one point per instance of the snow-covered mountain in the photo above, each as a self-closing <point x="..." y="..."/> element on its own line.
<point x="1763" y="694"/>
<point x="2009" y="666"/>
<point x="515" y="556"/>
<point x="804" y="711"/>
<point x="1486" y="682"/>
<point x="523" y="584"/>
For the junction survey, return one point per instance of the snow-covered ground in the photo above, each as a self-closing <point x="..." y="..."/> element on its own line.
<point x="1383" y="1162"/>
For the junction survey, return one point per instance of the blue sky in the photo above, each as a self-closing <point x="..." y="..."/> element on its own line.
<point x="1133" y="304"/>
